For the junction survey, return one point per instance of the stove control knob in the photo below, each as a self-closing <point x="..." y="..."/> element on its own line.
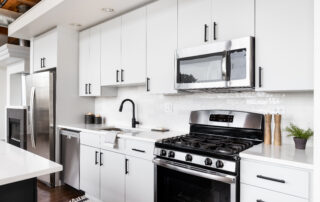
<point x="188" y="157"/>
<point x="219" y="164"/>
<point x="208" y="162"/>
<point x="163" y="152"/>
<point x="171" y="154"/>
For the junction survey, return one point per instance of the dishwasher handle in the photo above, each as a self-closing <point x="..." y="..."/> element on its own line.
<point x="70" y="133"/>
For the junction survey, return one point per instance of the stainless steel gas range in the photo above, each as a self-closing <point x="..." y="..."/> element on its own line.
<point x="204" y="165"/>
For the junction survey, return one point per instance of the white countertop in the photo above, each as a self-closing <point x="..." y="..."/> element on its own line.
<point x="285" y="155"/>
<point x="18" y="164"/>
<point x="142" y="134"/>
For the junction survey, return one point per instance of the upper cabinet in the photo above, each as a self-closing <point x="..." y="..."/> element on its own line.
<point x="205" y="21"/>
<point x="162" y="39"/>
<point x="232" y="19"/>
<point x="45" y="51"/>
<point x="111" y="52"/>
<point x="194" y="17"/>
<point x="284" y="45"/>
<point x="134" y="47"/>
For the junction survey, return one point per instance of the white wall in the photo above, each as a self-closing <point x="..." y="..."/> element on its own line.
<point x="3" y="102"/>
<point x="173" y="111"/>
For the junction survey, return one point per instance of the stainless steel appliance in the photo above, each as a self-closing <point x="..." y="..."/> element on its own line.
<point x="40" y="101"/>
<point x="17" y="126"/>
<point x="204" y="165"/>
<point x="220" y="65"/>
<point x="70" y="157"/>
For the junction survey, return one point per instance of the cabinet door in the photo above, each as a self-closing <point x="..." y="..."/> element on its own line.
<point x="139" y="180"/>
<point x="112" y="177"/>
<point x="84" y="54"/>
<point x="161" y="45"/>
<point x="194" y="17"/>
<point x="90" y="171"/>
<point x="233" y="18"/>
<point x="134" y="39"/>
<point x="284" y="45"/>
<point x="45" y="50"/>
<point x="94" y="62"/>
<point x="111" y="52"/>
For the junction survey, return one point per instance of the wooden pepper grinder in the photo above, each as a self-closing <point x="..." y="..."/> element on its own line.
<point x="277" y="129"/>
<point x="267" y="129"/>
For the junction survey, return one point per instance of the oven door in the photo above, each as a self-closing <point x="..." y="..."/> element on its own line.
<point x="177" y="182"/>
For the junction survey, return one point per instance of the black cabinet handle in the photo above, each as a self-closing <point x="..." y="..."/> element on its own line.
<point x="214" y="31"/>
<point x="122" y="75"/>
<point x="126" y="166"/>
<point x="89" y="88"/>
<point x="117" y="76"/>
<point x="260" y="77"/>
<point x="205" y="33"/>
<point x="101" y="164"/>
<point x="259" y="200"/>
<point x="148" y="80"/>
<point x="86" y="89"/>
<point x="138" y="150"/>
<point x="96" y="158"/>
<point x="41" y="62"/>
<point x="271" y="179"/>
<point x="44" y="62"/>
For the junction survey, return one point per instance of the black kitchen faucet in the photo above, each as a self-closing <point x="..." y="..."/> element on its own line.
<point x="134" y="121"/>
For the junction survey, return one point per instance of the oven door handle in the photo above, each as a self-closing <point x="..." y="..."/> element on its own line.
<point x="199" y="172"/>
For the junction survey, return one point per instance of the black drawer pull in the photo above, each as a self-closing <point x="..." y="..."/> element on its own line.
<point x="96" y="158"/>
<point x="205" y="33"/>
<point x="117" y="76"/>
<point x="101" y="164"/>
<point x="126" y="166"/>
<point x="138" y="150"/>
<point x="270" y="179"/>
<point x="214" y="31"/>
<point x="260" y="77"/>
<point x="259" y="200"/>
<point x="122" y="79"/>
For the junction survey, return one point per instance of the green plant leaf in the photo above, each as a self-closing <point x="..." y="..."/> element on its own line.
<point x="295" y="131"/>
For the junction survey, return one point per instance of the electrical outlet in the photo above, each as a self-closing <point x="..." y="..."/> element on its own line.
<point x="168" y="107"/>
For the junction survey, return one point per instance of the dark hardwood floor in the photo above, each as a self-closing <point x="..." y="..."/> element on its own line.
<point x="56" y="194"/>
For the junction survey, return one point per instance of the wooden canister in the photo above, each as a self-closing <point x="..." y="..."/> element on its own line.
<point x="267" y="129"/>
<point x="277" y="129"/>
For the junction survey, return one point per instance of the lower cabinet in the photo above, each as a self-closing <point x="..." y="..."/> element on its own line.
<point x="90" y="171"/>
<point x="115" y="177"/>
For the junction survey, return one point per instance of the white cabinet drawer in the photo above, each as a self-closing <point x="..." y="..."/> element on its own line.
<point x="140" y="149"/>
<point x="281" y="179"/>
<point x="90" y="139"/>
<point x="254" y="194"/>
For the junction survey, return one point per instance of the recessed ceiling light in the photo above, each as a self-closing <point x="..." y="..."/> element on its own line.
<point x="107" y="10"/>
<point x="75" y="25"/>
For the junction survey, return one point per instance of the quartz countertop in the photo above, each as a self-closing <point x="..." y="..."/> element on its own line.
<point x="285" y="155"/>
<point x="143" y="134"/>
<point x="18" y="164"/>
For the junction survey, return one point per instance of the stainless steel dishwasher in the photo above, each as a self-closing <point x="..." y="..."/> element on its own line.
<point x="70" y="157"/>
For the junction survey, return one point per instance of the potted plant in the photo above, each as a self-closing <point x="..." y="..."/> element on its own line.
<point x="299" y="135"/>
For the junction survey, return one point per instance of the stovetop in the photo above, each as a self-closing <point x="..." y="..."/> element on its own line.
<point x="206" y="144"/>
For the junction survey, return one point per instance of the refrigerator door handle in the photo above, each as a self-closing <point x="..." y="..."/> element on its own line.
<point x="32" y="96"/>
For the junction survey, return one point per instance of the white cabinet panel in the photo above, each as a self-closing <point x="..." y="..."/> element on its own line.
<point x="110" y="52"/>
<point x="194" y="20"/>
<point x="255" y="194"/>
<point x="84" y="54"/>
<point x="284" y="45"/>
<point x="162" y="39"/>
<point x="233" y="18"/>
<point x="134" y="53"/>
<point x="139" y="180"/>
<point x="45" y="51"/>
<point x="89" y="171"/>
<point x="112" y="177"/>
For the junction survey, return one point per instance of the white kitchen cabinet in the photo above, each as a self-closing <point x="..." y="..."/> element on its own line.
<point x="284" y="45"/>
<point x="233" y="18"/>
<point x="194" y="17"/>
<point x="89" y="62"/>
<point x="111" y="52"/>
<point x="162" y="42"/>
<point x="45" y="50"/>
<point x="112" y="177"/>
<point x="139" y="180"/>
<point x="90" y="171"/>
<point x="134" y="47"/>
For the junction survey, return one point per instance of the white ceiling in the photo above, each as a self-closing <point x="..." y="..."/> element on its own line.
<point x="50" y="13"/>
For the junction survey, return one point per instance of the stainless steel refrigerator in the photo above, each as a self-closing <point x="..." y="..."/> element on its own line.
<point x="40" y="100"/>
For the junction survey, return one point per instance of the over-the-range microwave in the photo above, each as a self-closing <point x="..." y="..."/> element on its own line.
<point x="227" y="65"/>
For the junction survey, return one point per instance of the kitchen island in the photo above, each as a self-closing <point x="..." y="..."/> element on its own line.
<point x="19" y="170"/>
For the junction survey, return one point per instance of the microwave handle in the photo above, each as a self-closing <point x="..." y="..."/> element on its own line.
<point x="225" y="67"/>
